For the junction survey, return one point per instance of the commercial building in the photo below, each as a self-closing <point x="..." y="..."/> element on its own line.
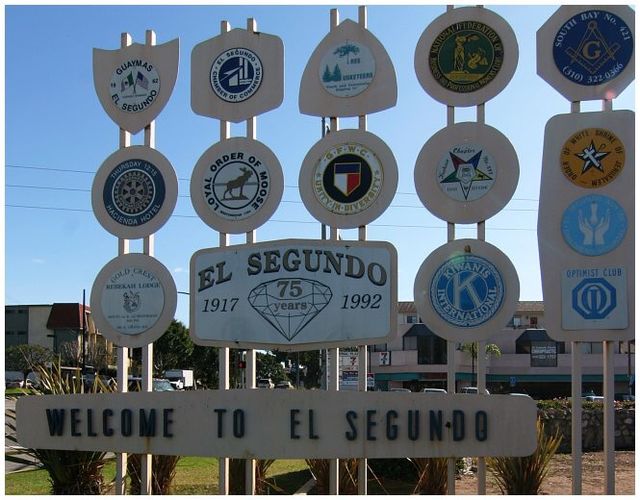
<point x="52" y="326"/>
<point x="530" y="361"/>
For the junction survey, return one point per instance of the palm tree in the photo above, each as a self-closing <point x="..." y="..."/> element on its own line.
<point x="471" y="348"/>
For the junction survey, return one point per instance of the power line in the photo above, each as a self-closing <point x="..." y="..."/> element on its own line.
<point x="85" y="190"/>
<point x="290" y="186"/>
<point x="394" y="226"/>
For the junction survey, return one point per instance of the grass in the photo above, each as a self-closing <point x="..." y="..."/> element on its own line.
<point x="194" y="476"/>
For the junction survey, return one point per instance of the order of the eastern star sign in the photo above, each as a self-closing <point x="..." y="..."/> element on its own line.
<point x="591" y="157"/>
<point x="465" y="172"/>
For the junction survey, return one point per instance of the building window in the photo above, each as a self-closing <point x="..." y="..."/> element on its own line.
<point x="533" y="321"/>
<point x="411" y="319"/>
<point x="626" y="347"/>
<point x="432" y="350"/>
<point x="409" y="343"/>
<point x="516" y="321"/>
<point x="591" y="347"/>
<point x="380" y="348"/>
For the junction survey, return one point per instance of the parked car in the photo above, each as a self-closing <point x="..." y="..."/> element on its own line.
<point x="434" y="390"/>
<point x="624" y="396"/>
<point x="471" y="390"/>
<point x="399" y="389"/>
<point x="264" y="383"/>
<point x="284" y="385"/>
<point x="158" y="384"/>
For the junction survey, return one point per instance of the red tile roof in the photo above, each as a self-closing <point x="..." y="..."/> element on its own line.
<point x="66" y="316"/>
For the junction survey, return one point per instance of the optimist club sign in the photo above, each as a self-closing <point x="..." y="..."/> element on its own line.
<point x="294" y="294"/>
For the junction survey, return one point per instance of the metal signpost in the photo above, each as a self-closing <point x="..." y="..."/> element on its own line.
<point x="467" y="172"/>
<point x="586" y="213"/>
<point x="295" y="294"/>
<point x="133" y="194"/>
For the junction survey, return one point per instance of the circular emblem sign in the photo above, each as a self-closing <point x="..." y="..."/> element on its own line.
<point x="134" y="85"/>
<point x="348" y="178"/>
<point x="133" y="300"/>
<point x="594" y="225"/>
<point x="466" y="173"/>
<point x="236" y="185"/>
<point x="134" y="192"/>
<point x="466" y="56"/>
<point x="592" y="47"/>
<point x="347" y="69"/>
<point x="466" y="290"/>
<point x="592" y="158"/>
<point x="236" y="74"/>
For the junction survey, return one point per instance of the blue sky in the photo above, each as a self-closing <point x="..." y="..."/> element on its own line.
<point x="57" y="135"/>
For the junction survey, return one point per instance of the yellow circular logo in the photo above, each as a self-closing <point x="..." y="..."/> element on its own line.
<point x="592" y="157"/>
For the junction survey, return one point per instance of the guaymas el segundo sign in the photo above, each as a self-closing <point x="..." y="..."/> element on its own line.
<point x="294" y="294"/>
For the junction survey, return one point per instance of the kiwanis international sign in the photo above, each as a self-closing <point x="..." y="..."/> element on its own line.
<point x="294" y="294"/>
<point x="285" y="424"/>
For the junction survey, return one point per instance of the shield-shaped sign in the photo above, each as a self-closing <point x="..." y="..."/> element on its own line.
<point x="346" y="177"/>
<point x="134" y="83"/>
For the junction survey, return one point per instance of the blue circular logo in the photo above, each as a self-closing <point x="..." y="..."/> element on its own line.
<point x="594" y="225"/>
<point x="467" y="290"/>
<point x="134" y="192"/>
<point x="236" y="74"/>
<point x="593" y="47"/>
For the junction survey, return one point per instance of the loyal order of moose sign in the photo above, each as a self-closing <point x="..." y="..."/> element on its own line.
<point x="257" y="423"/>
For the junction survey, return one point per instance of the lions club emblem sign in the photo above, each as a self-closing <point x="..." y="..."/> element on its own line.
<point x="134" y="83"/>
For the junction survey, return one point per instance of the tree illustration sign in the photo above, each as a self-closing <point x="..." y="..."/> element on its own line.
<point x="347" y="69"/>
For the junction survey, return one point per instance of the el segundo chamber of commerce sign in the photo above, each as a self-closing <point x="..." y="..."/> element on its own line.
<point x="299" y="424"/>
<point x="294" y="294"/>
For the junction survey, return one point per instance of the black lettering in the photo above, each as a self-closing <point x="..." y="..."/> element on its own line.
<point x="351" y="272"/>
<point x="352" y="434"/>
<point x="90" y="431"/>
<point x="381" y="279"/>
<point x="206" y="278"/>
<point x="166" y="422"/>
<point x="126" y="422"/>
<point x="254" y="263"/>
<point x="107" y="430"/>
<point x="238" y="423"/>
<point x="220" y="412"/>
<point x="312" y="268"/>
<point x="291" y="265"/>
<point x="221" y="277"/>
<point x="293" y="423"/>
<point x="392" y="429"/>
<point x="414" y="424"/>
<point x="55" y="419"/>
<point x="271" y="261"/>
<point x="481" y="425"/>
<point x="335" y="263"/>
<point x="75" y="421"/>
<point x="458" y="425"/>
<point x="371" y="423"/>
<point x="312" y="433"/>
<point x="435" y="425"/>
<point x="147" y="423"/>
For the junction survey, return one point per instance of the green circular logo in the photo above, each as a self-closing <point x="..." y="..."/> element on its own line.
<point x="466" y="56"/>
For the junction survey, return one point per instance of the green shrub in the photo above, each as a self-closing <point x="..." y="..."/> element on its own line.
<point x="524" y="475"/>
<point x="237" y="481"/>
<point x="432" y="476"/>
<point x="162" y="473"/>
<point x="348" y="476"/>
<point x="70" y="472"/>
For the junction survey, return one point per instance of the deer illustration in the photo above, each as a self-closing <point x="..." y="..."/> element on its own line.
<point x="238" y="182"/>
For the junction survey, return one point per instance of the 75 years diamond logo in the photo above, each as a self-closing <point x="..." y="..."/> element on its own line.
<point x="290" y="304"/>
